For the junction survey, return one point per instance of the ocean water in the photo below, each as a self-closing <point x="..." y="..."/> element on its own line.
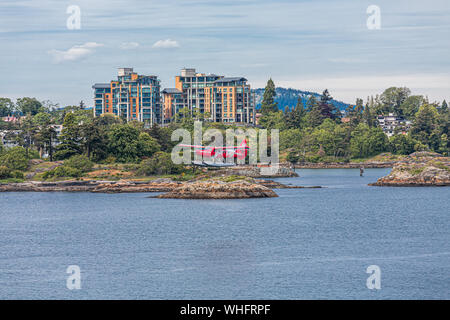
<point x="306" y="244"/>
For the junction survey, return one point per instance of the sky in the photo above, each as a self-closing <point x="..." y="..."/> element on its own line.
<point x="303" y="44"/>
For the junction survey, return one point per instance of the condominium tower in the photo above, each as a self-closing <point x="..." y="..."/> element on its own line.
<point x="131" y="97"/>
<point x="218" y="98"/>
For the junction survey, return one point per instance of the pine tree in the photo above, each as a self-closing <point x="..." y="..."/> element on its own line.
<point x="71" y="139"/>
<point x="326" y="108"/>
<point x="314" y="115"/>
<point x="268" y="104"/>
<point x="367" y="116"/>
<point x="444" y="107"/>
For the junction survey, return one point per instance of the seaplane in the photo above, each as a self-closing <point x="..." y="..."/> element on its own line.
<point x="217" y="155"/>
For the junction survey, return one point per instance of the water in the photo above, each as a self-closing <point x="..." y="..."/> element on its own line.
<point x="306" y="244"/>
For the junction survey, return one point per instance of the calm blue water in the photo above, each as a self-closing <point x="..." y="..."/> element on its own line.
<point x="308" y="243"/>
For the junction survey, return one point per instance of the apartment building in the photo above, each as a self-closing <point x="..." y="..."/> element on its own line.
<point x="392" y="124"/>
<point x="131" y="97"/>
<point x="218" y="98"/>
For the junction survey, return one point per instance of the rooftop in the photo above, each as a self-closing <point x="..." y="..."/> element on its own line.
<point x="101" y="86"/>
<point x="171" y="90"/>
<point x="230" y="79"/>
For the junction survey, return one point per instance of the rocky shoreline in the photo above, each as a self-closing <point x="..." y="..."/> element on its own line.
<point x="424" y="169"/>
<point x="219" y="190"/>
<point x="418" y="176"/>
<point x="249" y="188"/>
<point x="121" y="186"/>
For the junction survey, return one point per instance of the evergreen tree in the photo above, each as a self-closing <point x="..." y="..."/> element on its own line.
<point x="425" y="127"/>
<point x="6" y="107"/>
<point x="327" y="109"/>
<point x="46" y="138"/>
<point x="268" y="104"/>
<point x="367" y="116"/>
<point x="444" y="107"/>
<point x="314" y="117"/>
<point x="94" y="140"/>
<point x="71" y="139"/>
<point x="295" y="118"/>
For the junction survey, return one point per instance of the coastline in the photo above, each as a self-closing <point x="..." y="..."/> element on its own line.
<point x="130" y="186"/>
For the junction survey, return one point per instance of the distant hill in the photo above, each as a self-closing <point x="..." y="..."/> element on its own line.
<point x="288" y="97"/>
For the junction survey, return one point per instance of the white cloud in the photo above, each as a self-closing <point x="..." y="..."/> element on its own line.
<point x="75" y="53"/>
<point x="166" y="44"/>
<point x="129" y="45"/>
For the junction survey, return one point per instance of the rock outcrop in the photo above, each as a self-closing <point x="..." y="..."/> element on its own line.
<point x="121" y="186"/>
<point x="260" y="172"/>
<point x="215" y="189"/>
<point x="426" y="174"/>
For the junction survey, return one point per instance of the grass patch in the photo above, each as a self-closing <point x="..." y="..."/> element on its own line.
<point x="416" y="171"/>
<point x="11" y="180"/>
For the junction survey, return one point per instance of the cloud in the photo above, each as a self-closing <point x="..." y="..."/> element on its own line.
<point x="75" y="53"/>
<point x="129" y="45"/>
<point x="166" y="44"/>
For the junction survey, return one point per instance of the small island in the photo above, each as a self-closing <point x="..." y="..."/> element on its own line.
<point x="216" y="189"/>
<point x="432" y="171"/>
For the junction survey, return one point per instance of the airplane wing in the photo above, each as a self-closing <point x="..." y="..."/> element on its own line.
<point x="212" y="164"/>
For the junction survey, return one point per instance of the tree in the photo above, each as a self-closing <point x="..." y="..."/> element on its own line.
<point x="28" y="105"/>
<point x="162" y="136"/>
<point x="392" y="99"/>
<point x="425" y="126"/>
<point x="314" y="117"/>
<point x="127" y="144"/>
<point x="42" y="119"/>
<point x="331" y="137"/>
<point x="268" y="104"/>
<point x="444" y="107"/>
<point x="160" y="163"/>
<point x="326" y="109"/>
<point x="26" y="134"/>
<point x="290" y="138"/>
<point x="71" y="139"/>
<point x="411" y="105"/>
<point x="94" y="140"/>
<point x="47" y="137"/>
<point x="367" y="141"/>
<point x="402" y="144"/>
<point x="6" y="107"/>
<point x="368" y="117"/>
<point x="444" y="146"/>
<point x="146" y="145"/>
<point x="15" y="158"/>
<point x="295" y="118"/>
<point x="273" y="120"/>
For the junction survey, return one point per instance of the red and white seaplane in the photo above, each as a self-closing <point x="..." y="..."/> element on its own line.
<point x="218" y="154"/>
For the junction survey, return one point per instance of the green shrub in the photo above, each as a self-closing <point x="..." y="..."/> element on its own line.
<point x="62" y="171"/>
<point x="160" y="163"/>
<point x="16" y="174"/>
<point x="80" y="162"/>
<point x="5" y="172"/>
<point x="110" y="160"/>
<point x="15" y="159"/>
<point x="293" y="157"/>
